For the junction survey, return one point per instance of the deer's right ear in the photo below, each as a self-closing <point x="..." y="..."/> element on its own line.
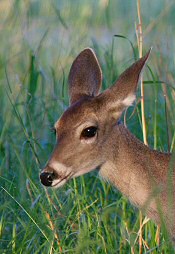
<point x="85" y="76"/>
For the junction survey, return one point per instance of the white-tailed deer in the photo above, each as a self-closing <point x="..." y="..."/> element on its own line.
<point x="89" y="136"/>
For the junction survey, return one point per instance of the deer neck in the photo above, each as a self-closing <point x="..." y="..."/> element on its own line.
<point x="131" y="165"/>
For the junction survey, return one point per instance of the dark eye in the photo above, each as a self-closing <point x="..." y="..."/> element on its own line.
<point x="53" y="130"/>
<point x="89" y="132"/>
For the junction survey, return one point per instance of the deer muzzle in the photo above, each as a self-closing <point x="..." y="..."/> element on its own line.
<point x="55" y="175"/>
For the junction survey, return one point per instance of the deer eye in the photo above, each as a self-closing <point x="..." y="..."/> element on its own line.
<point x="89" y="132"/>
<point x="53" y="130"/>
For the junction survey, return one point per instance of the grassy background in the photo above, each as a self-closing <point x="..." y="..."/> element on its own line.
<point x="38" y="42"/>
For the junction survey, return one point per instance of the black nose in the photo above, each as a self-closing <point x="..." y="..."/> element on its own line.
<point x="47" y="178"/>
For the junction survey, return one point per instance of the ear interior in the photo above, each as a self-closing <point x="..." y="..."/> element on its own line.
<point x="128" y="101"/>
<point x="123" y="93"/>
<point x="116" y="109"/>
<point x="127" y="83"/>
<point x="85" y="76"/>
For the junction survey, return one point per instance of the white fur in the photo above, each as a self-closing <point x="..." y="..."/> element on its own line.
<point x="64" y="173"/>
<point x="128" y="101"/>
<point x="58" y="167"/>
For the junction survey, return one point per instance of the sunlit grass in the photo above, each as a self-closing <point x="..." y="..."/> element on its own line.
<point x="39" y="40"/>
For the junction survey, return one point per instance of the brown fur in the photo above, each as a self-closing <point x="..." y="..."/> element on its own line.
<point x="137" y="171"/>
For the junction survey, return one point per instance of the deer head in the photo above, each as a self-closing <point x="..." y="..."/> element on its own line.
<point x="85" y="130"/>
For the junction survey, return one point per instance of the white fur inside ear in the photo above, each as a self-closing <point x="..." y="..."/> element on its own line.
<point x="128" y="101"/>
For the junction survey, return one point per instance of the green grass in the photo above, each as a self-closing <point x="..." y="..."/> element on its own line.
<point x="39" y="40"/>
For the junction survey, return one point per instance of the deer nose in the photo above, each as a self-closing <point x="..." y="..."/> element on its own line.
<point x="47" y="178"/>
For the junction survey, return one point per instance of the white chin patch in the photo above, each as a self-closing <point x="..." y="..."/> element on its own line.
<point x="128" y="101"/>
<point x="58" y="183"/>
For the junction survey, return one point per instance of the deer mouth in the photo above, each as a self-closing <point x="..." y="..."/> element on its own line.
<point x="50" y="178"/>
<point x="53" y="177"/>
<point x="61" y="180"/>
<point x="82" y="172"/>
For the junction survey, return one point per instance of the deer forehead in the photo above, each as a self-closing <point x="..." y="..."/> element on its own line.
<point x="74" y="127"/>
<point x="90" y="112"/>
<point x="76" y="115"/>
<point x="77" y="124"/>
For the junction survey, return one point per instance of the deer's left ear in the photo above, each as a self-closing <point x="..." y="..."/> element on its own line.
<point x="123" y="93"/>
<point x="85" y="76"/>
